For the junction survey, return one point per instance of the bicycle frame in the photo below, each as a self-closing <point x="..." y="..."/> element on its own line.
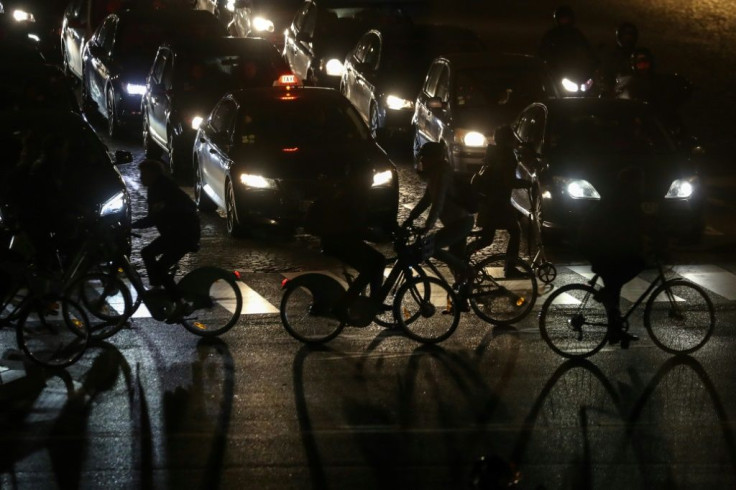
<point x="660" y="279"/>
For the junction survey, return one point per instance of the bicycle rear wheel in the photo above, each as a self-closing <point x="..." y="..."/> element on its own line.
<point x="386" y="318"/>
<point x="106" y="299"/>
<point x="422" y="310"/>
<point x="573" y="323"/>
<point x="214" y="300"/>
<point x="679" y="316"/>
<point x="54" y="332"/>
<point x="306" y="308"/>
<point x="499" y="299"/>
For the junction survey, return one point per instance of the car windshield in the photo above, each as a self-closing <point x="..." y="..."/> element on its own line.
<point x="229" y="71"/>
<point x="610" y="132"/>
<point x="298" y="121"/>
<point x="489" y="87"/>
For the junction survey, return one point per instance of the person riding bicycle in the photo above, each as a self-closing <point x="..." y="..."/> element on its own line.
<point x="438" y="197"/>
<point x="613" y="238"/>
<point x="339" y="217"/>
<point x="174" y="214"/>
<point x="494" y="182"/>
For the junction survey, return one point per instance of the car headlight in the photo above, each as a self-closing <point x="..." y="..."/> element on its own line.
<point x="262" y="24"/>
<point x="473" y="139"/>
<point x="382" y="178"/>
<point x="196" y="122"/>
<point x="257" y="181"/>
<point x="135" y="89"/>
<point x="113" y="205"/>
<point x="569" y="85"/>
<point x="682" y="188"/>
<point x="577" y="188"/>
<point x="23" y="16"/>
<point x="230" y="5"/>
<point x="397" y="103"/>
<point x="333" y="67"/>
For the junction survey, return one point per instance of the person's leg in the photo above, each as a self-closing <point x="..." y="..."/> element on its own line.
<point x="486" y="237"/>
<point x="149" y="254"/>
<point x="173" y="251"/>
<point x="453" y="236"/>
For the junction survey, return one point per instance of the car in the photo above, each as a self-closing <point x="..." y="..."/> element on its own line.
<point x="187" y="78"/>
<point x="385" y="70"/>
<point x="98" y="185"/>
<point x="464" y="97"/>
<point x="262" y="18"/>
<point x="81" y="18"/>
<point x="119" y="55"/>
<point x="323" y="31"/>
<point x="41" y="21"/>
<point x="263" y="153"/>
<point x="572" y="149"/>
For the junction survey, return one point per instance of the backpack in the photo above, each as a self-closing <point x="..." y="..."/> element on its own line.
<point x="464" y="194"/>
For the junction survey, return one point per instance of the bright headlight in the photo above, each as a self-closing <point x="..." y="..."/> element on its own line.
<point x="397" y="103"/>
<point x="230" y="5"/>
<point x="578" y="188"/>
<point x="197" y="122"/>
<point x="135" y="88"/>
<point x="474" y="139"/>
<point x="23" y="16"/>
<point x="333" y="67"/>
<point x="682" y="188"/>
<point x="257" y="181"/>
<point x="382" y="178"/>
<point x="569" y="85"/>
<point x="262" y="24"/>
<point x="113" y="205"/>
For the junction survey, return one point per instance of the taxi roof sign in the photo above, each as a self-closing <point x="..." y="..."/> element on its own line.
<point x="288" y="80"/>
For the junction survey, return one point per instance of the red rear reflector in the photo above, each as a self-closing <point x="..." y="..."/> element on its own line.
<point x="284" y="282"/>
<point x="236" y="274"/>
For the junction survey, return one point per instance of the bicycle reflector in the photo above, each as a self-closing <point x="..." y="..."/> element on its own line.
<point x="284" y="282"/>
<point x="237" y="275"/>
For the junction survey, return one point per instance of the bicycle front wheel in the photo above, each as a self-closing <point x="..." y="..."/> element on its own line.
<point x="422" y="310"/>
<point x="386" y="318"/>
<point x="500" y="299"/>
<point x="106" y="299"/>
<point x="213" y="300"/>
<point x="306" y="308"/>
<point x="54" y="332"/>
<point x="679" y="316"/>
<point x="572" y="323"/>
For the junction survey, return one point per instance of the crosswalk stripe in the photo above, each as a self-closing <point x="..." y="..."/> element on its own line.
<point x="253" y="303"/>
<point x="712" y="278"/>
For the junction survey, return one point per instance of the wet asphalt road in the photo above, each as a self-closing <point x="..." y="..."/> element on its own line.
<point x="156" y="407"/>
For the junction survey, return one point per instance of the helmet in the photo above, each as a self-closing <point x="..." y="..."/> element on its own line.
<point x="626" y="35"/>
<point x="564" y="15"/>
<point x="642" y="60"/>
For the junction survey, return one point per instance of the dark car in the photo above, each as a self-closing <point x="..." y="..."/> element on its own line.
<point x="465" y="97"/>
<point x="97" y="184"/>
<point x="572" y="149"/>
<point x="263" y="154"/>
<point x="118" y="57"/>
<point x="323" y="31"/>
<point x="186" y="80"/>
<point x="385" y="70"/>
<point x="41" y="21"/>
<point x="262" y="18"/>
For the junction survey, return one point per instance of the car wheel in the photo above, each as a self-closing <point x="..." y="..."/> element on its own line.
<point x="112" y="122"/>
<point x="234" y="228"/>
<point x="204" y="203"/>
<point x="150" y="148"/>
<point x="416" y="146"/>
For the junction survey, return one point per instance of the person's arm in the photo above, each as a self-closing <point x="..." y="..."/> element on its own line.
<point x="419" y="208"/>
<point x="438" y="188"/>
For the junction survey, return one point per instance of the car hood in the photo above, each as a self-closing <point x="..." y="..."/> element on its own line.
<point x="484" y="119"/>
<point x="314" y="162"/>
<point x="601" y="170"/>
<point x="404" y="83"/>
<point x="134" y="66"/>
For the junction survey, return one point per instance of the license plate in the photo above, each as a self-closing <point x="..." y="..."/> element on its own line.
<point x="648" y="207"/>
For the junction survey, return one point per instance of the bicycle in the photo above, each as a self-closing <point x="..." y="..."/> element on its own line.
<point x="50" y="328"/>
<point x="493" y="296"/>
<point x="678" y="315"/>
<point x="308" y="307"/>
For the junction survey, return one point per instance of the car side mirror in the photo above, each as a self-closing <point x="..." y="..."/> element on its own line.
<point x="435" y="103"/>
<point x="96" y="50"/>
<point x="122" y="156"/>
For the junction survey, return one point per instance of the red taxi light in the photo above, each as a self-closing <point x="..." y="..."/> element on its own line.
<point x="290" y="150"/>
